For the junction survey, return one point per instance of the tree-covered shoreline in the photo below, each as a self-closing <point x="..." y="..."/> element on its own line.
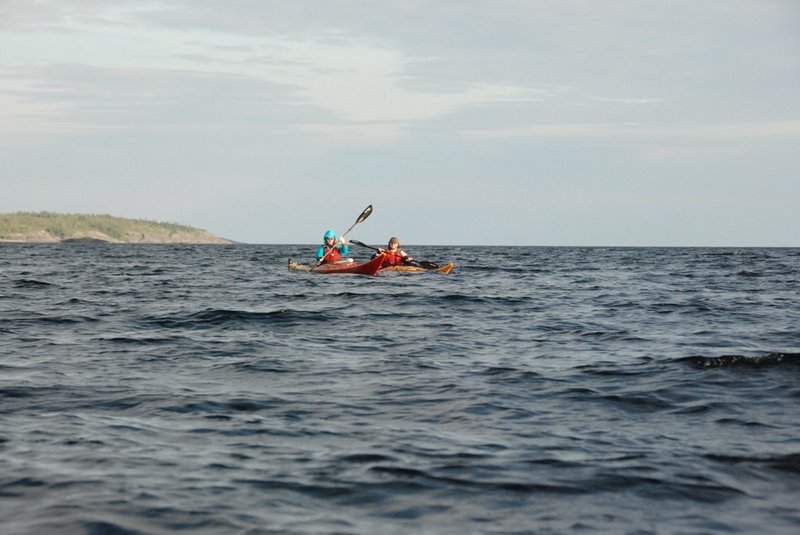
<point x="50" y="227"/>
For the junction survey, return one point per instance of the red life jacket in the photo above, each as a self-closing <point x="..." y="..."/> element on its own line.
<point x="331" y="254"/>
<point x="392" y="259"/>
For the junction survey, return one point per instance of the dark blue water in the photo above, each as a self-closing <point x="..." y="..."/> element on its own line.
<point x="206" y="389"/>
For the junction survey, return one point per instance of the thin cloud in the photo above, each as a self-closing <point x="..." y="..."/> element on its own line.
<point x="623" y="100"/>
<point x="690" y="131"/>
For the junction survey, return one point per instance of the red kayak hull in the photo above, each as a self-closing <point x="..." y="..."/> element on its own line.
<point x="366" y="268"/>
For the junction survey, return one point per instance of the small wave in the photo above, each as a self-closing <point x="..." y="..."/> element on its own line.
<point x="16" y="392"/>
<point x="108" y="528"/>
<point x="313" y="490"/>
<point x="365" y="458"/>
<point x="698" y="488"/>
<point x="505" y="375"/>
<point x="621" y="335"/>
<point x="31" y="284"/>
<point x="731" y="361"/>
<point x="476" y="268"/>
<point x="261" y="366"/>
<point x="40" y="318"/>
<point x="211" y="318"/>
<point x="639" y="402"/>
<point x="226" y="407"/>
<point x="721" y="253"/>
<point x="144" y="341"/>
<point x="747" y="274"/>
<point x="17" y="487"/>
<point x="459" y="298"/>
<point x="485" y="300"/>
<point x="784" y="463"/>
<point x="425" y="480"/>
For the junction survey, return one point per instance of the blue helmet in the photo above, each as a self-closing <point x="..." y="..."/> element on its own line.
<point x="329" y="234"/>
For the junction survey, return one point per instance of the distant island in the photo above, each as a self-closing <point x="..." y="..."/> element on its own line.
<point x="48" y="227"/>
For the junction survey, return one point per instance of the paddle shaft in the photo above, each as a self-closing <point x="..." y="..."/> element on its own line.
<point x="362" y="244"/>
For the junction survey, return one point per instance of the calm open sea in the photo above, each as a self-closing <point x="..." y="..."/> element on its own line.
<point x="159" y="389"/>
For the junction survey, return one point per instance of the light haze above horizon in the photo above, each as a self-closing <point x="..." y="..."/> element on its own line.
<point x="577" y="122"/>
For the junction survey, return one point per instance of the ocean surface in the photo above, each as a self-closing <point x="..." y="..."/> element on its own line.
<point x="152" y="389"/>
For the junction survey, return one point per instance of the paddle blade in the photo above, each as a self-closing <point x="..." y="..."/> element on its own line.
<point x="362" y="217"/>
<point x="365" y="214"/>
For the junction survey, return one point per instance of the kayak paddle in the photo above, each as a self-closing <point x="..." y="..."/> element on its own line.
<point x="360" y="219"/>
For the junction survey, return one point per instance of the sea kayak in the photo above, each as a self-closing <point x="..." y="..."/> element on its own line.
<point x="418" y="269"/>
<point x="365" y="268"/>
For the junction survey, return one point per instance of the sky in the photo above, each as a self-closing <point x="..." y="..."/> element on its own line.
<point x="491" y="122"/>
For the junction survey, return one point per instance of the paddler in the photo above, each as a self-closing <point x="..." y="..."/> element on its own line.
<point x="330" y="251"/>
<point x="394" y="255"/>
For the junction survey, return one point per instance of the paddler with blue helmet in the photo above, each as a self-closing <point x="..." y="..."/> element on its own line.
<point x="330" y="251"/>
